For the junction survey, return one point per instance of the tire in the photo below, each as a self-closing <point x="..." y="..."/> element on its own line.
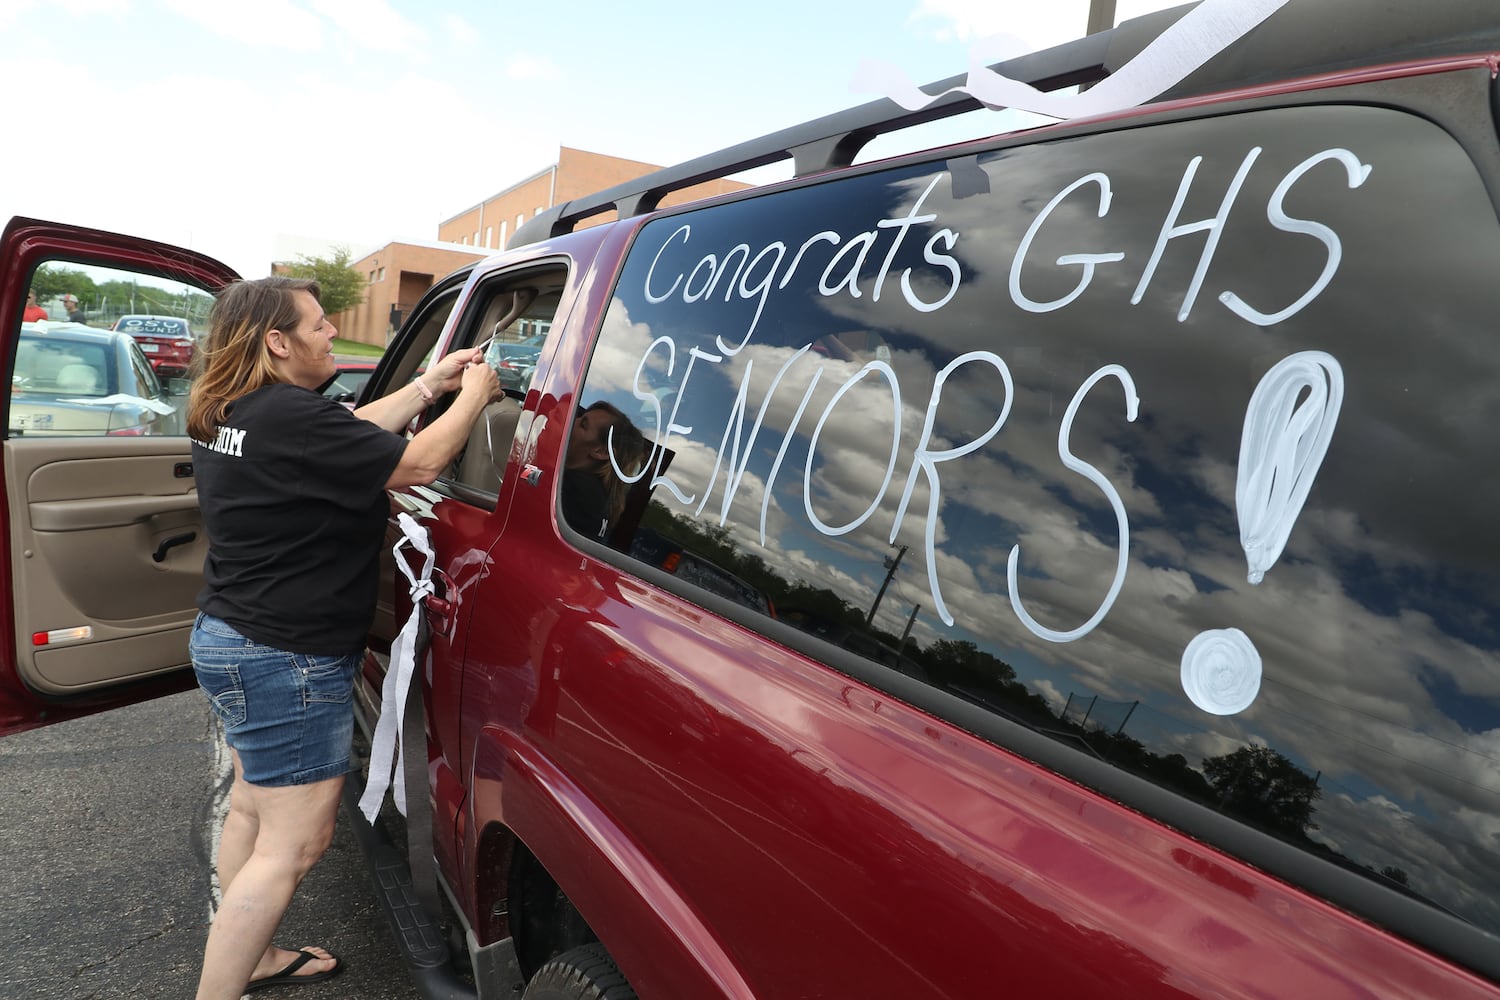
<point x="586" y="973"/>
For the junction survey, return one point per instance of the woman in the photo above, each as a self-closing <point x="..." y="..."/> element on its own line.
<point x="292" y="490"/>
<point x="593" y="495"/>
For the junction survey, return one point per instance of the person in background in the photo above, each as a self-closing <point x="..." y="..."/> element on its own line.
<point x="75" y="314"/>
<point x="33" y="311"/>
<point x="292" y="485"/>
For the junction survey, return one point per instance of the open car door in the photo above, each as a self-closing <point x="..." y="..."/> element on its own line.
<point x="103" y="541"/>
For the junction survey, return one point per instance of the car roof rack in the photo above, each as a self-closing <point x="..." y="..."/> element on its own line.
<point x="1303" y="38"/>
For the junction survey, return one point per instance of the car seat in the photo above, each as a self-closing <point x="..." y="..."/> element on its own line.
<point x="77" y="378"/>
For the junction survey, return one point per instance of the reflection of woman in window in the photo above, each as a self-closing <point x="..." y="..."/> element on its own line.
<point x="592" y="494"/>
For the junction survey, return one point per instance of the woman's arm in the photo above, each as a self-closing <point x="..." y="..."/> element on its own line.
<point x="435" y="447"/>
<point x="395" y="410"/>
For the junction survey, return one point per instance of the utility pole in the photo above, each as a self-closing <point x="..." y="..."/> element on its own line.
<point x="1101" y="16"/>
<point x="890" y="571"/>
<point x="909" y="623"/>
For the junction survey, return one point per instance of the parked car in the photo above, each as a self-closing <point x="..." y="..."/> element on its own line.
<point x="515" y="363"/>
<point x="1179" y="416"/>
<point x="351" y="376"/>
<point x="166" y="340"/>
<point x="74" y="380"/>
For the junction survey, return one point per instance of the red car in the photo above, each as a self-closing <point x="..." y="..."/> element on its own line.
<point x="1124" y="489"/>
<point x="167" y="342"/>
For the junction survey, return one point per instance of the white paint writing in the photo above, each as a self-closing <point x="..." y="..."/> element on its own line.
<point x="1087" y="260"/>
<point x="1093" y="475"/>
<point x="1173" y="228"/>
<point x="926" y="460"/>
<point x="840" y="276"/>
<point x="1288" y="424"/>
<point x="1221" y="670"/>
<point x="812" y="448"/>
<point x="1358" y="173"/>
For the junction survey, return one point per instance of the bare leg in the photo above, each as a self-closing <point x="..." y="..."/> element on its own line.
<point x="288" y="829"/>
<point x="236" y="842"/>
<point x="237" y="839"/>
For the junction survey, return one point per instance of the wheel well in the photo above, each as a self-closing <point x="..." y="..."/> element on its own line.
<point x="527" y="904"/>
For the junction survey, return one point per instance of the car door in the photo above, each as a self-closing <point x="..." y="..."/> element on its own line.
<point x="464" y="511"/>
<point x="103" y="542"/>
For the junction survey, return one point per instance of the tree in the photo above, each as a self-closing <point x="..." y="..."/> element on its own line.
<point x="342" y="286"/>
<point x="53" y="282"/>
<point x="1395" y="874"/>
<point x="1262" y="786"/>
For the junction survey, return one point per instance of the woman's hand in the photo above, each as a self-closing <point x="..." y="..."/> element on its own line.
<point x="447" y="374"/>
<point x="478" y="376"/>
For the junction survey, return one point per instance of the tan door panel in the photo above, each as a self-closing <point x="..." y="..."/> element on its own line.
<point x="93" y="513"/>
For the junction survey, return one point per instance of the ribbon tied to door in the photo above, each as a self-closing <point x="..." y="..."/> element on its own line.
<point x="386" y="750"/>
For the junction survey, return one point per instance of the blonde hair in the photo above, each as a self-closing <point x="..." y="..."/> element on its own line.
<point x="628" y="446"/>
<point x="235" y="361"/>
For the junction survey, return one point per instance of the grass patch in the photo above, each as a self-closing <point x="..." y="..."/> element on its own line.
<point x="351" y="348"/>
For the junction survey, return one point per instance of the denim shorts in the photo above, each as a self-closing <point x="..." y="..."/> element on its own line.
<point x="289" y="716"/>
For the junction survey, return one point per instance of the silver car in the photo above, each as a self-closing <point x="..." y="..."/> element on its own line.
<point x="76" y="380"/>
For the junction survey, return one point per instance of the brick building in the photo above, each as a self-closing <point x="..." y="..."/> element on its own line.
<point x="492" y="222"/>
<point x="400" y="272"/>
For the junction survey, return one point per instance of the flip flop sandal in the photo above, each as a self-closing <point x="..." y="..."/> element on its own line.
<point x="288" y="976"/>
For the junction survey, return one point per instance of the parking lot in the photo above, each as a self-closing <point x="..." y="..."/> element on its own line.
<point x="107" y="827"/>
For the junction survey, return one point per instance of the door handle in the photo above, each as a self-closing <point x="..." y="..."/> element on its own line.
<point x="436" y="605"/>
<point x="160" y="554"/>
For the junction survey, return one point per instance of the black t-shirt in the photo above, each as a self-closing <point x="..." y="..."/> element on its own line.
<point x="585" y="503"/>
<point x="292" y="492"/>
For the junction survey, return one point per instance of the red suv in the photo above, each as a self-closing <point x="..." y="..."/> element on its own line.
<point x="167" y="342"/>
<point x="1122" y="492"/>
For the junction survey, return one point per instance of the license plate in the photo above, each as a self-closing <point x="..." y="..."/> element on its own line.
<point x="150" y="348"/>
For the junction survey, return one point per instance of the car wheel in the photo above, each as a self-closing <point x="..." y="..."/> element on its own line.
<point x="586" y="973"/>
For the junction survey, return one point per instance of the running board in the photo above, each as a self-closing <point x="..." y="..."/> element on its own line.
<point x="419" y="937"/>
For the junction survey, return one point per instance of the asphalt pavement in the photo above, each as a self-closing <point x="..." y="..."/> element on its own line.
<point x="107" y="827"/>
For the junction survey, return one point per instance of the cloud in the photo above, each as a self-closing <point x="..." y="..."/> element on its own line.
<point x="273" y="23"/>
<point x="456" y="28"/>
<point x="373" y="25"/>
<point x="525" y="66"/>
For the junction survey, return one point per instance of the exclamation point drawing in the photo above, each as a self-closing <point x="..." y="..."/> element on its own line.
<point x="1288" y="426"/>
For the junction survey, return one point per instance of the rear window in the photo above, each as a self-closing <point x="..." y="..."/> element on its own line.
<point x="47" y="366"/>
<point x="1171" y="444"/>
<point x="138" y="326"/>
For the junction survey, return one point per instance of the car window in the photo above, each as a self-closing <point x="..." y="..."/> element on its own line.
<point x="124" y="372"/>
<point x="501" y="308"/>
<point x="145" y="383"/>
<point x="1154" y="443"/>
<point x="347" y="384"/>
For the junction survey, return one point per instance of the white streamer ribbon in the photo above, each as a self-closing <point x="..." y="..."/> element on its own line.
<point x="1193" y="40"/>
<point x="386" y="751"/>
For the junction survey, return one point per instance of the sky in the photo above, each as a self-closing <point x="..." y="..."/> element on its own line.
<point x="252" y="130"/>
